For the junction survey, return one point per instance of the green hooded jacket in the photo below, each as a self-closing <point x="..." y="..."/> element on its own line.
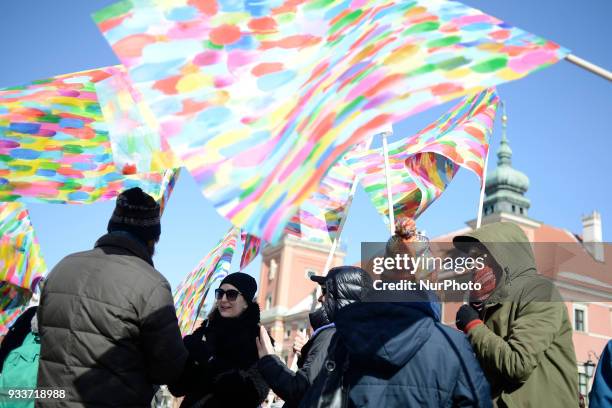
<point x="525" y="346"/>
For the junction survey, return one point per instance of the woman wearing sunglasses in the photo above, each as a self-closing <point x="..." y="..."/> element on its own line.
<point x="223" y="356"/>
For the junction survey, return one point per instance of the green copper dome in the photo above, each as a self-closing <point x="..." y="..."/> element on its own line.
<point x="505" y="187"/>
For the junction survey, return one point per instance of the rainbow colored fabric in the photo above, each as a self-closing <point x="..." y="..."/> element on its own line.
<point x="13" y="302"/>
<point x="320" y="217"/>
<point x="260" y="99"/>
<point x="191" y="293"/>
<point x="133" y="131"/>
<point x="167" y="186"/>
<point x="421" y="166"/>
<point x="54" y="144"/>
<point x="21" y="261"/>
<point x="251" y="245"/>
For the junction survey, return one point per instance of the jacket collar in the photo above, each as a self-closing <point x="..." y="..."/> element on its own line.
<point x="125" y="241"/>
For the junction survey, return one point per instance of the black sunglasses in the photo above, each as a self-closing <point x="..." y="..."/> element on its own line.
<point x="230" y="294"/>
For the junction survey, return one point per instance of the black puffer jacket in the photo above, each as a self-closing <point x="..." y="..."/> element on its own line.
<point x="345" y="285"/>
<point x="108" y="327"/>
<point x="222" y="370"/>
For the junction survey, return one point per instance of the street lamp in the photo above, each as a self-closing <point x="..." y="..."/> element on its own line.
<point x="589" y="367"/>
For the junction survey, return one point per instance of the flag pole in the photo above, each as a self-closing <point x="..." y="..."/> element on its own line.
<point x="595" y="69"/>
<point x="388" y="178"/>
<point x="486" y="164"/>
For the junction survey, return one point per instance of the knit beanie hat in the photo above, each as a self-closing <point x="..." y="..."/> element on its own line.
<point x="136" y="212"/>
<point x="244" y="283"/>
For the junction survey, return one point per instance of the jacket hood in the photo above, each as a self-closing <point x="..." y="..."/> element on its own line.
<point x="510" y="248"/>
<point x="384" y="335"/>
<point x="124" y="240"/>
<point x="345" y="285"/>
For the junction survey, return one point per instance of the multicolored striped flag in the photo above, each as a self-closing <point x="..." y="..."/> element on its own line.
<point x="13" y="302"/>
<point x="320" y="217"/>
<point x="54" y="145"/>
<point x="260" y="99"/>
<point x="133" y="131"/>
<point x="251" y="245"/>
<point x="21" y="261"/>
<point x="421" y="166"/>
<point x="167" y="186"/>
<point x="191" y="293"/>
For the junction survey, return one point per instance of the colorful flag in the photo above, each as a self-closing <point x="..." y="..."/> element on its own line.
<point x="167" y="186"/>
<point x="421" y="166"/>
<point x="21" y="261"/>
<point x="13" y="302"/>
<point x="251" y="245"/>
<point x="320" y="217"/>
<point x="191" y="293"/>
<point x="54" y="145"/>
<point x="132" y="128"/>
<point x="260" y="99"/>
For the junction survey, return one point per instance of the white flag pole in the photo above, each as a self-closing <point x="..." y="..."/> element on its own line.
<point x="388" y="178"/>
<point x="597" y="70"/>
<point x="486" y="163"/>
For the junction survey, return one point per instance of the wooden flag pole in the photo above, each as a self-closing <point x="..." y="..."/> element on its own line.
<point x="388" y="178"/>
<point x="595" y="69"/>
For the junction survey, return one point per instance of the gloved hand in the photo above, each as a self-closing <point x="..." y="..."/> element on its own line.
<point x="467" y="317"/>
<point x="198" y="349"/>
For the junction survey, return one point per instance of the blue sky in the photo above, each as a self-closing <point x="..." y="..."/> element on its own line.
<point x="560" y="129"/>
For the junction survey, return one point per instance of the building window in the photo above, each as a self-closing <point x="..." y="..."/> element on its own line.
<point x="273" y="269"/>
<point x="580" y="318"/>
<point x="268" y="302"/>
<point x="521" y="210"/>
<point x="513" y="208"/>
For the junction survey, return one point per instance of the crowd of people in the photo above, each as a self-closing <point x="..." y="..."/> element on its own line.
<point x="106" y="332"/>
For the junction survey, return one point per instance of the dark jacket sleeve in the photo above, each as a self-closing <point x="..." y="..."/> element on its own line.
<point x="290" y="386"/>
<point x="161" y="339"/>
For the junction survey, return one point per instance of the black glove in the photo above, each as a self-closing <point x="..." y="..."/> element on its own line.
<point x="198" y="349"/>
<point x="465" y="315"/>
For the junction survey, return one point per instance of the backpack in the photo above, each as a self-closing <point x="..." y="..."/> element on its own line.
<point x="20" y="371"/>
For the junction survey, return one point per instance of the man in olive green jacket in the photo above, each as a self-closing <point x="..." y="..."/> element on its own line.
<point x="525" y="344"/>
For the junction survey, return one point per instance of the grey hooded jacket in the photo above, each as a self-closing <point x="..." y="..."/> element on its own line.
<point x="108" y="327"/>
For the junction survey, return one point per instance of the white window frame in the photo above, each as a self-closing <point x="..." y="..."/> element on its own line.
<point x="585" y="310"/>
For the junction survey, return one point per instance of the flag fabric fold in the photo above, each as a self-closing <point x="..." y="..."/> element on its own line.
<point x="421" y="166"/>
<point x="191" y="293"/>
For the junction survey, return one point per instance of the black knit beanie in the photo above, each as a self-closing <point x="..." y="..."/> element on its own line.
<point x="136" y="212"/>
<point x="244" y="283"/>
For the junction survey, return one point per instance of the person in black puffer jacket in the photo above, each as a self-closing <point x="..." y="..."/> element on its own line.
<point x="221" y="370"/>
<point x="342" y="286"/>
<point x="391" y="350"/>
